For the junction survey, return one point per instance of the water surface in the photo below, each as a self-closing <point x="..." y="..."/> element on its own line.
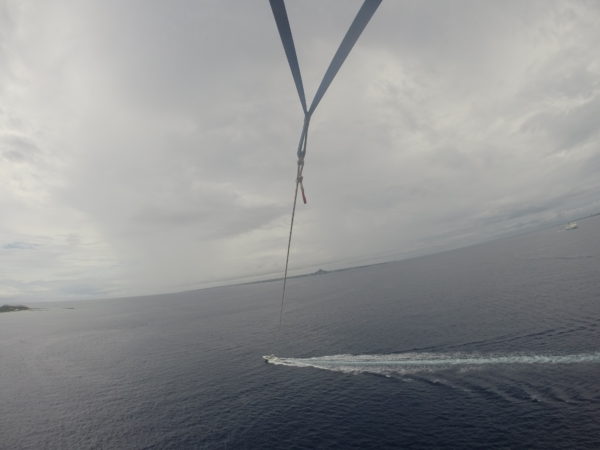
<point x="492" y="346"/>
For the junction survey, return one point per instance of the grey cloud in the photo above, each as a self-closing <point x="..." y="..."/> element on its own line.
<point x="184" y="56"/>
<point x="19" y="246"/>
<point x="17" y="148"/>
<point x="217" y="222"/>
<point x="570" y="128"/>
<point x="571" y="82"/>
<point x="166" y="133"/>
<point x="6" y="29"/>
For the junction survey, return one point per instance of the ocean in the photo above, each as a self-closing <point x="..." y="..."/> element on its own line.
<point x="492" y="346"/>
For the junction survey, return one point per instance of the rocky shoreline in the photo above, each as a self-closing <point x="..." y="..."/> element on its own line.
<point x="11" y="308"/>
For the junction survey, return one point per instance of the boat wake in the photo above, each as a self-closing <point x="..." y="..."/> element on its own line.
<point x="410" y="363"/>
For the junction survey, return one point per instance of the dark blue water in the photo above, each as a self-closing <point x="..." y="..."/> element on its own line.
<point x="508" y="320"/>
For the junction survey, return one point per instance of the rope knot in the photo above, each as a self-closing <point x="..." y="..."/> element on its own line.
<point x="300" y="178"/>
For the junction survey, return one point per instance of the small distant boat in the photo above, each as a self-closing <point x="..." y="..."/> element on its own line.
<point x="269" y="358"/>
<point x="571" y="226"/>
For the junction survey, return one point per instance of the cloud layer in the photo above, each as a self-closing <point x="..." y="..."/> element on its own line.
<point x="150" y="146"/>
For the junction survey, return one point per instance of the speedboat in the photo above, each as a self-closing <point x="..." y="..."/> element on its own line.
<point x="269" y="358"/>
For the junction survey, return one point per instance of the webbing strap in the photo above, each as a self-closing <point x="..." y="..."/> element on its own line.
<point x="361" y="20"/>
<point x="283" y="25"/>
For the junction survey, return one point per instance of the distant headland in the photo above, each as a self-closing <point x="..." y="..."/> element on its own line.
<point x="11" y="308"/>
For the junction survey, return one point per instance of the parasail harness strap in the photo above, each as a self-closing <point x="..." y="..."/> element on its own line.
<point x="361" y="20"/>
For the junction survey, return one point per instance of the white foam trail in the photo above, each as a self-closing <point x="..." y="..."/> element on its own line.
<point x="406" y="363"/>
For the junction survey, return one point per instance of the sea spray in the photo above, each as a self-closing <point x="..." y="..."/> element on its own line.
<point x="403" y="363"/>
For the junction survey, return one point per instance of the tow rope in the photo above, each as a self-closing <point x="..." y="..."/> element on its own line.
<point x="361" y="20"/>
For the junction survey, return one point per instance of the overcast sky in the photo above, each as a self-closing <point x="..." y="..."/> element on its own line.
<point x="149" y="146"/>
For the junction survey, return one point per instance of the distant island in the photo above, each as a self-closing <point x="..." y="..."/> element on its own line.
<point x="320" y="272"/>
<point x="11" y="308"/>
